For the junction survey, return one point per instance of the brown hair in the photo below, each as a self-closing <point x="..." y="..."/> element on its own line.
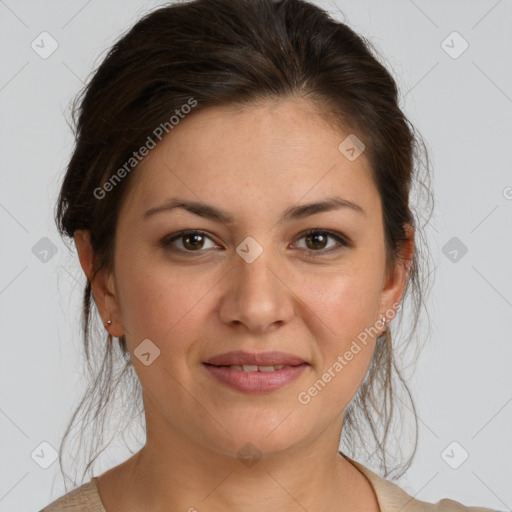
<point x="222" y="52"/>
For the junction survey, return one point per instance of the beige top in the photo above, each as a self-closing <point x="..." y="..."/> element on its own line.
<point x="390" y="497"/>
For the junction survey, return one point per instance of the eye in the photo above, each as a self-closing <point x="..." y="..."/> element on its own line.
<point x="316" y="240"/>
<point x="192" y="240"/>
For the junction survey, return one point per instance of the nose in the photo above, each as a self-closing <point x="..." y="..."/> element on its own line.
<point x="256" y="295"/>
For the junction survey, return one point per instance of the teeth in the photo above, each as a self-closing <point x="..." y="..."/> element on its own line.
<point x="266" y="368"/>
<point x="255" y="368"/>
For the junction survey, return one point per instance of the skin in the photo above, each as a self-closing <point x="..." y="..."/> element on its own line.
<point x="253" y="162"/>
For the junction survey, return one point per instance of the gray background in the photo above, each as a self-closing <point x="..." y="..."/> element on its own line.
<point x="463" y="108"/>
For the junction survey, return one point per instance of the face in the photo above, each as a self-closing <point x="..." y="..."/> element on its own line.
<point x="256" y="282"/>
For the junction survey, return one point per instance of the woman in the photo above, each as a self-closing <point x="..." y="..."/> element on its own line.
<point x="239" y="200"/>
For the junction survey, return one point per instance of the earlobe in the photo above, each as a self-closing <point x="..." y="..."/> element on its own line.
<point x="112" y="316"/>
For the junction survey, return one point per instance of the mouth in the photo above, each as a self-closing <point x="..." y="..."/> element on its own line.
<point x="255" y="378"/>
<point x="255" y="368"/>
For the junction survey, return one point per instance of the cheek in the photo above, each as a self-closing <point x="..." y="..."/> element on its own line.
<point x="159" y="301"/>
<point x="344" y="309"/>
<point x="346" y="299"/>
<point x="345" y="305"/>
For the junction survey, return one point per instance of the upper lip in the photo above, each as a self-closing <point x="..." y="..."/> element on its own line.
<point x="239" y="357"/>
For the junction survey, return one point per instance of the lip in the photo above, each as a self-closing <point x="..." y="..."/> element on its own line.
<point x="257" y="381"/>
<point x="240" y="357"/>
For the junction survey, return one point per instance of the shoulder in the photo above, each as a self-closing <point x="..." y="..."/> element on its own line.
<point x="392" y="498"/>
<point x="447" y="505"/>
<point x="82" y="499"/>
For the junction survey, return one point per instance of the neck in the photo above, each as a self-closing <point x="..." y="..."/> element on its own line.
<point x="179" y="474"/>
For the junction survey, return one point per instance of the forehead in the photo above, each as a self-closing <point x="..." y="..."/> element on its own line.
<point x="275" y="151"/>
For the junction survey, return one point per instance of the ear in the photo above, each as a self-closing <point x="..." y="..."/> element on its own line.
<point x="396" y="277"/>
<point x="103" y="284"/>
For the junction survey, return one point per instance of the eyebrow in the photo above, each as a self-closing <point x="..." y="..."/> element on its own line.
<point x="213" y="213"/>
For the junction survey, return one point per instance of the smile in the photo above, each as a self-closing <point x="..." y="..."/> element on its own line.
<point x="254" y="378"/>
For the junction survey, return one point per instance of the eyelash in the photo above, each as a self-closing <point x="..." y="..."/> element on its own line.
<point x="167" y="241"/>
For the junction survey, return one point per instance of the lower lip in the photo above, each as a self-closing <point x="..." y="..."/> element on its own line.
<point x="256" y="382"/>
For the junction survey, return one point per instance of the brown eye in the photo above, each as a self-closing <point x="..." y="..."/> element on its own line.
<point x="191" y="241"/>
<point x="316" y="241"/>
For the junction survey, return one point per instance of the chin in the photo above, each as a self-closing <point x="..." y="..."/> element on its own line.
<point x="256" y="441"/>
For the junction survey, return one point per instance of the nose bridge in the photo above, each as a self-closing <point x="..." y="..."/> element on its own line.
<point x="255" y="296"/>
<point x="256" y="278"/>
